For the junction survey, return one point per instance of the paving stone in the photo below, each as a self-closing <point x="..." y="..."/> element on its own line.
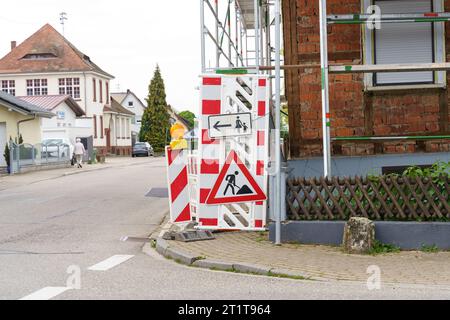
<point x="320" y="262"/>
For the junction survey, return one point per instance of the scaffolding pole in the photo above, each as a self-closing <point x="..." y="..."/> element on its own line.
<point x="278" y="182"/>
<point x="355" y="19"/>
<point x="326" y="117"/>
<point x="236" y="20"/>
<point x="216" y="12"/>
<point x="256" y="8"/>
<point x="202" y="35"/>
<point x="388" y="18"/>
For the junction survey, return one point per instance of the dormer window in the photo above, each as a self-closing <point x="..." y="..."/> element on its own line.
<point x="39" y="56"/>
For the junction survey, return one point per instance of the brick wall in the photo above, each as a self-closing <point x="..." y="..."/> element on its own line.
<point x="353" y="111"/>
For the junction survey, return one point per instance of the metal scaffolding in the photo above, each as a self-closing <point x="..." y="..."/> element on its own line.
<point x="235" y="34"/>
<point x="241" y="43"/>
<point x="359" y="19"/>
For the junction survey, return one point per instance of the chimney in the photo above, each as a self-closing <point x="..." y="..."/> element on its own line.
<point x="13" y="45"/>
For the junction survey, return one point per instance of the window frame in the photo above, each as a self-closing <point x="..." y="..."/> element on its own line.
<point x="94" y="87"/>
<point x="95" y="126"/>
<point x="101" y="91"/>
<point x="64" y="86"/>
<point x="36" y="87"/>
<point x="9" y="88"/>
<point x="101" y="128"/>
<point x="107" y="91"/>
<point x="439" y="54"/>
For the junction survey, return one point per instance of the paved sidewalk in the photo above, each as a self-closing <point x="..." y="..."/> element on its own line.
<point x="320" y="262"/>
<point x="9" y="182"/>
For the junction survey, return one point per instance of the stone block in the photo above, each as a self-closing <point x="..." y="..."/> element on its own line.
<point x="359" y="236"/>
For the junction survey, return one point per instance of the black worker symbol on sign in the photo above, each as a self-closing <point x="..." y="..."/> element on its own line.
<point x="241" y="125"/>
<point x="231" y="185"/>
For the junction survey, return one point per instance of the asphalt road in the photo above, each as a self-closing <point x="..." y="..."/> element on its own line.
<point x="76" y="222"/>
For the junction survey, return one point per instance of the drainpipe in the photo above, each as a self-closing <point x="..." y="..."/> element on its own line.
<point x="19" y="123"/>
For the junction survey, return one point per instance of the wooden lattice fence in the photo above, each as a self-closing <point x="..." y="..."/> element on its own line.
<point x="381" y="198"/>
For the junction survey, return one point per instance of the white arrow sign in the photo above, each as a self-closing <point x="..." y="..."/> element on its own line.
<point x="230" y="125"/>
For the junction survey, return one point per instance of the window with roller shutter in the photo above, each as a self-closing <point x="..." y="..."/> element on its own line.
<point x="399" y="43"/>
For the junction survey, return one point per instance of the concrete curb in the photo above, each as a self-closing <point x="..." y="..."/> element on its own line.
<point x="188" y="259"/>
<point x="249" y="268"/>
<point x="163" y="248"/>
<point x="213" y="264"/>
<point x="181" y="256"/>
<point x="293" y="274"/>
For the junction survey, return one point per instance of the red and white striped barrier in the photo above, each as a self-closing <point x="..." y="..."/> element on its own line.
<point x="261" y="146"/>
<point x="178" y="182"/>
<point x="219" y="95"/>
<point x="209" y="151"/>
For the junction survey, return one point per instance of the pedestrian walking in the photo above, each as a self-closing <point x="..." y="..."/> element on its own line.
<point x="79" y="152"/>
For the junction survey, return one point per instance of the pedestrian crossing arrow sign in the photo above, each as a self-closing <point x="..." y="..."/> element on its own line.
<point x="235" y="184"/>
<point x="230" y="125"/>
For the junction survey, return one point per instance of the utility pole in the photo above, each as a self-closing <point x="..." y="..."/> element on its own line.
<point x="62" y="19"/>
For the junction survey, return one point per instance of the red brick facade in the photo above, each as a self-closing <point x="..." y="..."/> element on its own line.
<point x="354" y="112"/>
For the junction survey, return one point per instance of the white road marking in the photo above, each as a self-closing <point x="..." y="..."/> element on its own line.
<point x="110" y="263"/>
<point x="46" y="293"/>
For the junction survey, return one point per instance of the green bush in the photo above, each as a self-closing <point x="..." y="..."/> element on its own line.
<point x="381" y="248"/>
<point x="7" y="155"/>
<point x="436" y="172"/>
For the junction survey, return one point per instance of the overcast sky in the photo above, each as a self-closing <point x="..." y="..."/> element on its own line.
<point x="125" y="38"/>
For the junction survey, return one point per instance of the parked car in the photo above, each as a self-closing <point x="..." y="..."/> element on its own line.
<point x="143" y="149"/>
<point x="50" y="147"/>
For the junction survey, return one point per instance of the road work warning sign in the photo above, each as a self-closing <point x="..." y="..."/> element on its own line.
<point x="235" y="184"/>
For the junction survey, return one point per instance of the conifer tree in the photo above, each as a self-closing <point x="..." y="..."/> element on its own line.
<point x="156" y="119"/>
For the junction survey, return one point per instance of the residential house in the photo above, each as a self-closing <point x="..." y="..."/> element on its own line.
<point x="69" y="122"/>
<point x="174" y="117"/>
<point x="19" y="118"/>
<point x="117" y="129"/>
<point x="48" y="64"/>
<point x="131" y="102"/>
<point x="381" y="105"/>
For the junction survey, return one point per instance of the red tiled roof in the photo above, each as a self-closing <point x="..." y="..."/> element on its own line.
<point x="59" y="55"/>
<point x="116" y="107"/>
<point x="51" y="102"/>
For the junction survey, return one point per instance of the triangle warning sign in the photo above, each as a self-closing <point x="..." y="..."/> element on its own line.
<point x="235" y="184"/>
